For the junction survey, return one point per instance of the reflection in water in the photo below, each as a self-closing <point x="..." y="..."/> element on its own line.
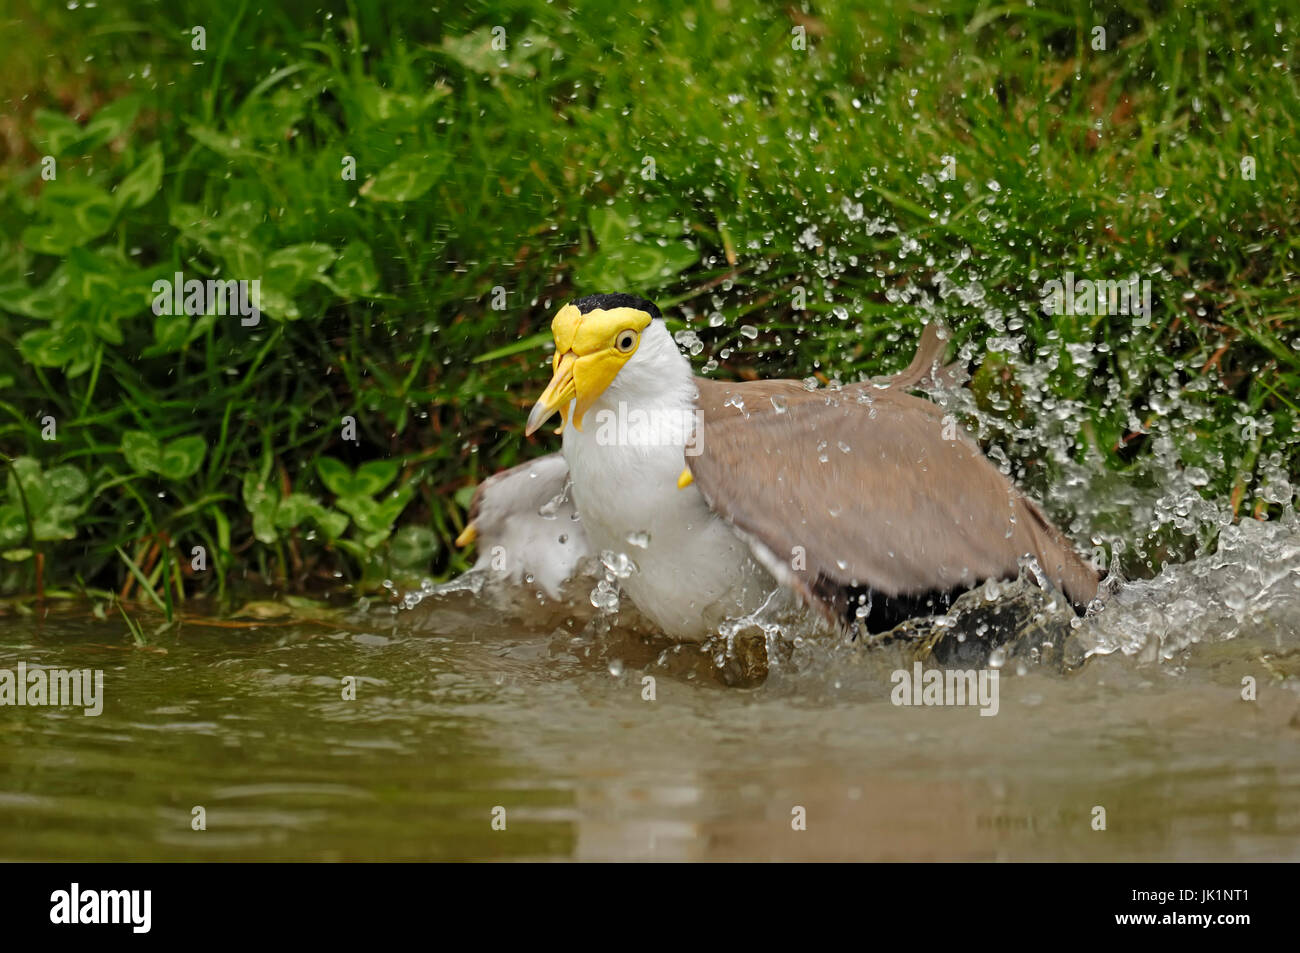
<point x="469" y="700"/>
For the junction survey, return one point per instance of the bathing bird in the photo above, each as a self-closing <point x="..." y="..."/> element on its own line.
<point x="861" y="501"/>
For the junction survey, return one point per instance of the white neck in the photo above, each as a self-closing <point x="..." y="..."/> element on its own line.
<point x="692" y="570"/>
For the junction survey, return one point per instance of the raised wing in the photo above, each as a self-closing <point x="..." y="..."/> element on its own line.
<point x="843" y="491"/>
<point x="526" y="525"/>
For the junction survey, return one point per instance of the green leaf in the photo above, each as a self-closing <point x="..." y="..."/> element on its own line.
<point x="103" y="322"/>
<point x="28" y="470"/>
<point x="609" y="224"/>
<point x="637" y="265"/>
<point x="98" y="277"/>
<point x="277" y="304"/>
<point x="223" y="144"/>
<point x="44" y="303"/>
<point x="74" y="213"/>
<point x="182" y="457"/>
<point x="170" y="332"/>
<point x="56" y="522"/>
<point x="406" y="179"/>
<point x="264" y="522"/>
<point x="374" y="518"/>
<point x="242" y="257"/>
<point x="79" y="204"/>
<point x="51" y="238"/>
<point x="50" y="501"/>
<point x="332" y="524"/>
<point x="392" y="507"/>
<point x="262" y="500"/>
<point x="66" y="483"/>
<point x="298" y="507"/>
<point x="56" y="133"/>
<point x="354" y="272"/>
<point x="289" y="268"/>
<point x="293" y="509"/>
<point x="143" y="182"/>
<point x="177" y="460"/>
<point x="253" y="488"/>
<point x="142" y="451"/>
<point x="65" y="345"/>
<point x="413" y="547"/>
<point x="371" y="477"/>
<point x="13" y="525"/>
<point x="113" y="121"/>
<point x="363" y="510"/>
<point x="46" y="348"/>
<point x="382" y="105"/>
<point x="639" y="245"/>
<point x="335" y="475"/>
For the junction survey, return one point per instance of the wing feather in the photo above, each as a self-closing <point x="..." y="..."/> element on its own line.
<point x="859" y="488"/>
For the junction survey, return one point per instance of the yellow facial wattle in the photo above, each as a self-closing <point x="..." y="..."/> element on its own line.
<point x="590" y="350"/>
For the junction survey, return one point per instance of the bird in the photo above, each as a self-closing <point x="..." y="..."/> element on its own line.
<point x="862" y="502"/>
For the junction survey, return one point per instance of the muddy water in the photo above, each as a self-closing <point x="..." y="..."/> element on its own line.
<point x="463" y="707"/>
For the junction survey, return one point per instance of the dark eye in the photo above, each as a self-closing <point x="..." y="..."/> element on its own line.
<point x="625" y="341"/>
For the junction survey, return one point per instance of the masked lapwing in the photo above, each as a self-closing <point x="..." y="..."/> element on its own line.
<point x="862" y="500"/>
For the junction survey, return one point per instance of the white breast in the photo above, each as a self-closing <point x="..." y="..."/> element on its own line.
<point x="693" y="572"/>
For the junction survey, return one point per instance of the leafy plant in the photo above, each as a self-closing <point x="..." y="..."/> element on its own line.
<point x="273" y="514"/>
<point x="39" y="506"/>
<point x="177" y="459"/>
<point x="355" y="492"/>
<point x="635" y="250"/>
<point x="391" y="177"/>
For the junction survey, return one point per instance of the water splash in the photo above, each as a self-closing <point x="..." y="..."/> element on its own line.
<point x="1248" y="587"/>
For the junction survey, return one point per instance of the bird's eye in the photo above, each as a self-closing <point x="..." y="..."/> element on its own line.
<point x="625" y="341"/>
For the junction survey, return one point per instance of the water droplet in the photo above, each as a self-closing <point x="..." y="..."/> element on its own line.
<point x="605" y="597"/>
<point x="619" y="564"/>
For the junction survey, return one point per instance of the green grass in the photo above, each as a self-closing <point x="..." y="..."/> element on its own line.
<point x="688" y="152"/>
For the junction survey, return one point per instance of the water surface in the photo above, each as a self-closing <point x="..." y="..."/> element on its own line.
<point x="462" y="708"/>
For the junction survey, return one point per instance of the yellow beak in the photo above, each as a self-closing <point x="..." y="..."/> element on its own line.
<point x="585" y="363"/>
<point x="559" y="393"/>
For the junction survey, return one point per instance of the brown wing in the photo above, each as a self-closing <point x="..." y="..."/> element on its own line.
<point x="838" y="490"/>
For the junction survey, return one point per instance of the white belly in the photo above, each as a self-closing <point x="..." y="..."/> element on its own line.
<point x="693" y="572"/>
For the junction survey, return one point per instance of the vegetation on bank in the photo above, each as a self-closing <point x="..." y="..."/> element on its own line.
<point x="798" y="188"/>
